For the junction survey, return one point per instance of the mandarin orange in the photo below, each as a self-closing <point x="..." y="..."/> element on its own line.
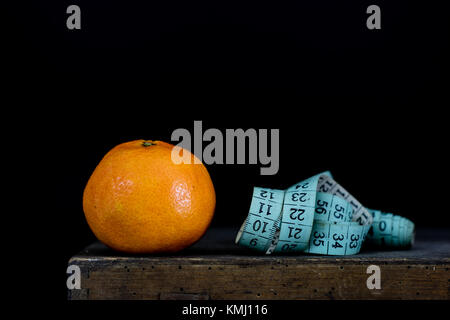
<point x="138" y="200"/>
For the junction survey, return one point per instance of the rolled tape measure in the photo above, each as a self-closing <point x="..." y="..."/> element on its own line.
<point x="317" y="216"/>
<point x="389" y="230"/>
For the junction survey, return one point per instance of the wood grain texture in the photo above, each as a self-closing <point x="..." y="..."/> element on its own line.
<point x="215" y="268"/>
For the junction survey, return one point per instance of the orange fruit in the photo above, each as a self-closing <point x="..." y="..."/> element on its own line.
<point x="138" y="201"/>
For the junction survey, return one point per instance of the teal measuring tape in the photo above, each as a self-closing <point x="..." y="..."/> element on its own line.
<point x="389" y="230"/>
<point x="317" y="216"/>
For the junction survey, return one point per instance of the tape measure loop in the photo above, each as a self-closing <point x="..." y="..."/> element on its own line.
<point x="318" y="216"/>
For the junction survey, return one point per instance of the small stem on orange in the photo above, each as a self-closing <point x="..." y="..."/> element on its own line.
<point x="148" y="143"/>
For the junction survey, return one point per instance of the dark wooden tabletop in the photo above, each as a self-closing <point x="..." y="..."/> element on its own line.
<point x="216" y="268"/>
<point x="432" y="246"/>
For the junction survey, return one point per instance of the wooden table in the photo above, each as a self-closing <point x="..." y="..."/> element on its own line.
<point x="215" y="268"/>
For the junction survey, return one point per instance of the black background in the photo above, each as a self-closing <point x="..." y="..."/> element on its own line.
<point x="369" y="105"/>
